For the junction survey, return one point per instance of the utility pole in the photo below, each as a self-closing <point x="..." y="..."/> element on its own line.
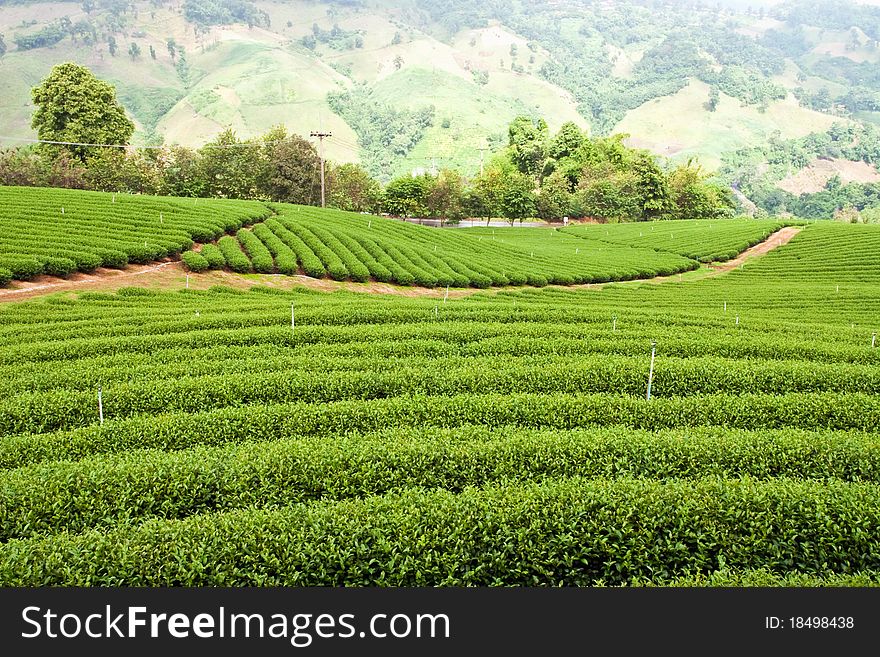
<point x="482" y="150"/>
<point x="320" y="135"/>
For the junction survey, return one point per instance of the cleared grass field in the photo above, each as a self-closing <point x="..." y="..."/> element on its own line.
<point x="502" y="438"/>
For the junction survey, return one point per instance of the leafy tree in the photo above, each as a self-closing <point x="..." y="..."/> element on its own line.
<point x="517" y="197"/>
<point x="171" y="44"/>
<point x="566" y="142"/>
<point x="111" y="45"/>
<point x="554" y="200"/>
<point x="229" y="167"/>
<point x="406" y="196"/>
<point x="134" y="50"/>
<point x="694" y="198"/>
<point x="445" y="198"/>
<point x="610" y="196"/>
<point x="351" y="188"/>
<point x="181" y="172"/>
<point x="75" y="106"/>
<point x="287" y="167"/>
<point x="152" y="52"/>
<point x="712" y="104"/>
<point x="2" y="46"/>
<point x="528" y="144"/>
<point x="398" y="62"/>
<point x="396" y="39"/>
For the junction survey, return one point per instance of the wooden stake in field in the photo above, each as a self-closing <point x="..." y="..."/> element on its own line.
<point x="100" y="405"/>
<point x="651" y="370"/>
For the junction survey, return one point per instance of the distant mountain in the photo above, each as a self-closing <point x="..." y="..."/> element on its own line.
<point x="408" y="84"/>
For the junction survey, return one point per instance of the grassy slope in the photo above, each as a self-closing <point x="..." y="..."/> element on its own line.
<point x="677" y="126"/>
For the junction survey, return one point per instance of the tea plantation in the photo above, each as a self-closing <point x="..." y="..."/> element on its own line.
<point x="499" y="438"/>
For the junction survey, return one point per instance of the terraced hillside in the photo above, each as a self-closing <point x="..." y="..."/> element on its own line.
<point x="495" y="439"/>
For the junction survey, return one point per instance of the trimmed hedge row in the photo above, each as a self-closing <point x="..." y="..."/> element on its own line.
<point x="260" y="256"/>
<point x="285" y="258"/>
<point x="195" y="262"/>
<point x="235" y="258"/>
<point x="311" y="264"/>
<point x="573" y="532"/>
<point x="65" y="409"/>
<point x="133" y="486"/>
<point x="215" y="258"/>
<point x="173" y="431"/>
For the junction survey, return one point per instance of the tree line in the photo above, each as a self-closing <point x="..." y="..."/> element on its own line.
<point x="538" y="174"/>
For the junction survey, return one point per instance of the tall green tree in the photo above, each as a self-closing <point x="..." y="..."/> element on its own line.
<point x="288" y="168"/>
<point x="351" y="188"/>
<point x="528" y="144"/>
<point x="517" y="197"/>
<point x="2" y="46"/>
<point x="445" y="199"/>
<point x="406" y="196"/>
<point x="229" y="167"/>
<point x="75" y="106"/>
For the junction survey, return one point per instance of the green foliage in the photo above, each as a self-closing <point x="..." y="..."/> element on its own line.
<point x="224" y="12"/>
<point x="213" y="256"/>
<point x="384" y="132"/>
<point x="47" y="36"/>
<point x="351" y="188"/>
<point x="75" y="106"/>
<point x="195" y="262"/>
<point x="259" y="254"/>
<point x="232" y="253"/>
<point x="106" y="230"/>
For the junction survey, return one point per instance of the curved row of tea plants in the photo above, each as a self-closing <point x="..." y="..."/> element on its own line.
<point x="59" y="232"/>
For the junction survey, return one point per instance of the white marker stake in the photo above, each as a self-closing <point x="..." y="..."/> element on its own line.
<point x="614" y="324"/>
<point x="187" y="281"/>
<point x="838" y="288"/>
<point x="679" y="278"/>
<point x="292" y="318"/>
<point x="161" y="218"/>
<point x="725" y="306"/>
<point x="370" y="223"/>
<point x="577" y="250"/>
<point x="114" y="199"/>
<point x="873" y="340"/>
<point x="737" y="320"/>
<point x="435" y="312"/>
<point x="100" y="405"/>
<point x="446" y="296"/>
<point x="651" y="371"/>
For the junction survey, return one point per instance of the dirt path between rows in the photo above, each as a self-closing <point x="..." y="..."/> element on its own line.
<point x="777" y="239"/>
<point x="170" y="275"/>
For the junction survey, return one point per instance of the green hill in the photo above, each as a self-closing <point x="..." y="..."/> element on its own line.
<point x="645" y="69"/>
